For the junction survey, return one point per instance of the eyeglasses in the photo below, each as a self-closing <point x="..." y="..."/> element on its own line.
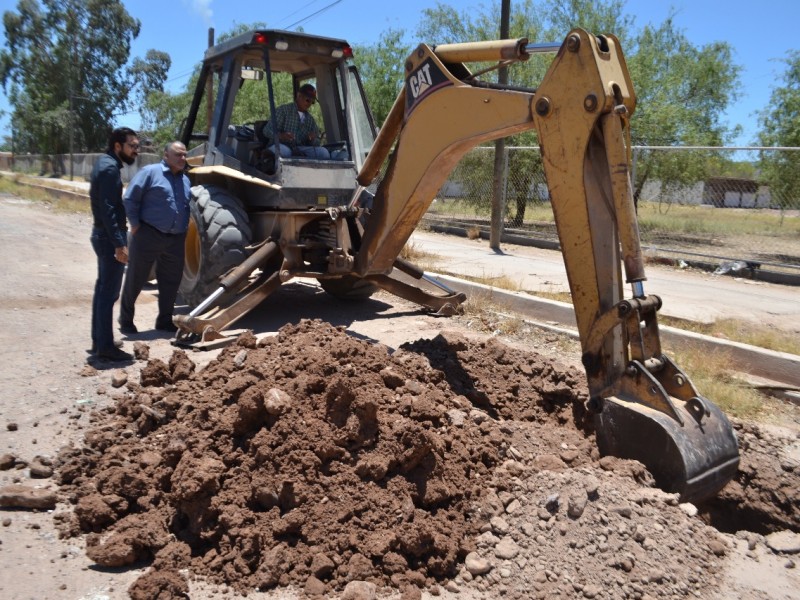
<point x="133" y="146"/>
<point x="308" y="98"/>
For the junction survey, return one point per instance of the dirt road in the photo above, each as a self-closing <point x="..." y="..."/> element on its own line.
<point x="449" y="466"/>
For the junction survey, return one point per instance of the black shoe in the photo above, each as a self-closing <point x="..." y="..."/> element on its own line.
<point x="93" y="349"/>
<point x="166" y="326"/>
<point x="115" y="355"/>
<point x="127" y="328"/>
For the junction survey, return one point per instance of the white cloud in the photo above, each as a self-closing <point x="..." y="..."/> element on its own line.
<point x="201" y="8"/>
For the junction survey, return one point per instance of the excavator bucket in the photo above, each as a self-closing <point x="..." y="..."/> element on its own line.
<point x="694" y="459"/>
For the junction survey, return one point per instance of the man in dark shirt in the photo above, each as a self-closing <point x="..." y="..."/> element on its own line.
<point x="157" y="205"/>
<point x="109" y="238"/>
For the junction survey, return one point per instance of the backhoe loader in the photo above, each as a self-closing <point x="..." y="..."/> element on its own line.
<point x="260" y="220"/>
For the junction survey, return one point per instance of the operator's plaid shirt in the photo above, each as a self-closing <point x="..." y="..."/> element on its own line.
<point x="287" y="119"/>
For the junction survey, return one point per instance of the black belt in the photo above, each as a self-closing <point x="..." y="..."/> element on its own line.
<point x="161" y="232"/>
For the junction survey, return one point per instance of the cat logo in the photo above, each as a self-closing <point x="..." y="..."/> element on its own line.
<point x="426" y="78"/>
<point x="420" y="81"/>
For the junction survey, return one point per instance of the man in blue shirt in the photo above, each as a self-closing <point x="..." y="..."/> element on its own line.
<point x="109" y="239"/>
<point x="157" y="205"/>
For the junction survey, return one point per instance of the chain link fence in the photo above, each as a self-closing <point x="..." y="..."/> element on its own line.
<point x="731" y="208"/>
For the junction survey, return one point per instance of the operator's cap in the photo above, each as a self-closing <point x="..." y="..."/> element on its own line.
<point x="308" y="90"/>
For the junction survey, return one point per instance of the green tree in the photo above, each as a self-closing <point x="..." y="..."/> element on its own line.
<point x="162" y="114"/>
<point x="525" y="167"/>
<point x="63" y="68"/>
<point x="381" y="67"/>
<point x="780" y="126"/>
<point x="442" y="24"/>
<point x="595" y="17"/>
<point x="148" y="76"/>
<point x="682" y="94"/>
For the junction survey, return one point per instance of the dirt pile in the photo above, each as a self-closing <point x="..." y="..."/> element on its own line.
<point x="314" y="459"/>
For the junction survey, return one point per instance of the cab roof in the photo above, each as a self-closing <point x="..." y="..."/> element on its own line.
<point x="289" y="51"/>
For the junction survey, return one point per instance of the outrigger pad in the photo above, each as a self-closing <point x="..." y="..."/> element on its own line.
<point x="695" y="460"/>
<point x="210" y="340"/>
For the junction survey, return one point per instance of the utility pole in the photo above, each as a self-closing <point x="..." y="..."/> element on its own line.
<point x="500" y="162"/>
<point x="72" y="29"/>
<point x="13" y="143"/>
<point x="71" y="131"/>
<point x="210" y="88"/>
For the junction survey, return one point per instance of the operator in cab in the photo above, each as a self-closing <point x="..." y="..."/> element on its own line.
<point x="298" y="132"/>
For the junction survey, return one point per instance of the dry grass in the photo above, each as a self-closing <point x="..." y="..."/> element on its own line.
<point x="559" y="296"/>
<point x="707" y="220"/>
<point x="486" y="315"/>
<point x="503" y="282"/>
<point x="659" y="218"/>
<point x="18" y="186"/>
<point x="413" y="254"/>
<point x="482" y="312"/>
<point x="744" y="332"/>
<point x="711" y="375"/>
<point x="734" y="330"/>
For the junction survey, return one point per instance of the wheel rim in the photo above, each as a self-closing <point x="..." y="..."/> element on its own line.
<point x="191" y="265"/>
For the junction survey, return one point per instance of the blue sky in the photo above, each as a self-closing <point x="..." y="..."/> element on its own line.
<point x="760" y="34"/>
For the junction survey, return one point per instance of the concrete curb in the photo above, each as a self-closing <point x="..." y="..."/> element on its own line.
<point x="775" y="366"/>
<point x="58" y="193"/>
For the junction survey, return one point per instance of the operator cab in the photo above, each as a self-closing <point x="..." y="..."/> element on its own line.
<point x="247" y="77"/>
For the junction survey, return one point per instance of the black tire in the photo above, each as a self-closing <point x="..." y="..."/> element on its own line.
<point x="219" y="233"/>
<point x="349" y="287"/>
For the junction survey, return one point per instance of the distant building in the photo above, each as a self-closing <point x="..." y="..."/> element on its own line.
<point x="720" y="192"/>
<point x="734" y="192"/>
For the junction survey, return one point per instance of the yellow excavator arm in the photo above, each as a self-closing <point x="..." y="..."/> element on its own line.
<point x="646" y="407"/>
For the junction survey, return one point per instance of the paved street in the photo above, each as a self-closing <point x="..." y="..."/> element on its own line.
<point x="687" y="294"/>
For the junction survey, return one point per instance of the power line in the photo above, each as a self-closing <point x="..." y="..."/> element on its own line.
<point x="297" y="11"/>
<point x="314" y="14"/>
<point x="180" y="75"/>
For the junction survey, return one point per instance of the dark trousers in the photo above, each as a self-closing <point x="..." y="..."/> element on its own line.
<point x="106" y="291"/>
<point x="148" y="246"/>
